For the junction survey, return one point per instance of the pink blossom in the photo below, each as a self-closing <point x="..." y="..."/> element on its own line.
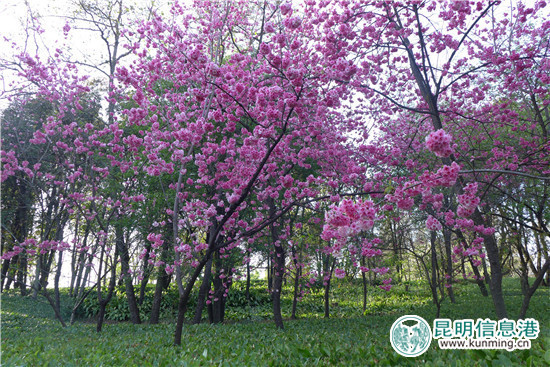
<point x="433" y="224"/>
<point x="439" y="142"/>
<point x="339" y="273"/>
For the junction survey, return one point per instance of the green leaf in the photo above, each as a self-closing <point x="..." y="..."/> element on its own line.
<point x="304" y="352"/>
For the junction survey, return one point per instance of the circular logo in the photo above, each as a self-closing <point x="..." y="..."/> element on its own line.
<point x="410" y="335"/>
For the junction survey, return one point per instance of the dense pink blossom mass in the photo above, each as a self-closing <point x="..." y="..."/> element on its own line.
<point x="233" y="124"/>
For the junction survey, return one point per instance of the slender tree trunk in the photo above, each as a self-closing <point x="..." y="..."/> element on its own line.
<point x="434" y="280"/>
<point x="328" y="272"/>
<point x="278" y="268"/>
<point x="296" y="291"/>
<point x="37" y="274"/>
<point x="54" y="305"/>
<point x="221" y="285"/>
<point x="157" y="298"/>
<point x="122" y="246"/>
<point x="84" y="281"/>
<point x="21" y="229"/>
<point x="101" y="316"/>
<point x="163" y="279"/>
<point x="218" y="300"/>
<point x="4" y="273"/>
<point x="247" y="292"/>
<point x="480" y="283"/>
<point x="143" y="284"/>
<point x="278" y="285"/>
<point x="56" y="281"/>
<point x="530" y="291"/>
<point x="75" y="261"/>
<point x="112" y="283"/>
<point x="80" y="269"/>
<point x="269" y="273"/>
<point x="203" y="292"/>
<point x="449" y="260"/>
<point x="496" y="269"/>
<point x="22" y="273"/>
<point x="364" y="279"/>
<point x="184" y="298"/>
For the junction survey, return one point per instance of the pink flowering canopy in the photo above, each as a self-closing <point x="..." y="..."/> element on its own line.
<point x="229" y="121"/>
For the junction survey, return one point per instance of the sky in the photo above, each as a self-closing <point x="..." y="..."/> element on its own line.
<point x="14" y="18"/>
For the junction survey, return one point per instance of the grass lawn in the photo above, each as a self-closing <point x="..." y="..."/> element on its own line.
<point x="32" y="337"/>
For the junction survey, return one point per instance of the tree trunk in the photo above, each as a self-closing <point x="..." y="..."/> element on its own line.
<point x="269" y="273"/>
<point x="112" y="283"/>
<point x="434" y="280"/>
<point x="495" y="285"/>
<point x="278" y="285"/>
<point x="217" y="306"/>
<point x="203" y="292"/>
<point x="162" y="279"/>
<point x="101" y="316"/>
<point x="78" y="278"/>
<point x="122" y="246"/>
<point x="449" y="269"/>
<point x="157" y="298"/>
<point x="278" y="268"/>
<point x="296" y="291"/>
<point x="247" y="292"/>
<point x="184" y="298"/>
<point x="4" y="273"/>
<point x="328" y="273"/>
<point x="364" y="278"/>
<point x="56" y="282"/>
<point x="146" y="269"/>
<point x="84" y="281"/>
<point x="21" y="224"/>
<point x="530" y="291"/>
<point x="480" y="283"/>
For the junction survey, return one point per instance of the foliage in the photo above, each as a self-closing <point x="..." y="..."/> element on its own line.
<point x="31" y="336"/>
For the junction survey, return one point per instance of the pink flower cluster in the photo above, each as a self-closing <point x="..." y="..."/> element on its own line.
<point x="348" y="219"/>
<point x="468" y="201"/>
<point x="368" y="250"/>
<point x="433" y="224"/>
<point x="156" y="239"/>
<point x="386" y="284"/>
<point x="447" y="175"/>
<point x="475" y="251"/>
<point x="339" y="273"/>
<point x="439" y="142"/>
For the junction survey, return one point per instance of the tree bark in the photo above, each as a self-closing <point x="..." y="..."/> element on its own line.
<point x="434" y="280"/>
<point x="247" y="291"/>
<point x="278" y="285"/>
<point x="203" y="292"/>
<point x="296" y="291"/>
<point x="328" y="272"/>
<point x="495" y="285"/>
<point x="112" y="283"/>
<point x="449" y="261"/>
<point x="122" y="246"/>
<point x="157" y="298"/>
<point x="278" y="268"/>
<point x="364" y="281"/>
<point x="530" y="291"/>
<point x="184" y="298"/>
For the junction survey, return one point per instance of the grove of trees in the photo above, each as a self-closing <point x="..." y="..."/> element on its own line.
<point x="315" y="139"/>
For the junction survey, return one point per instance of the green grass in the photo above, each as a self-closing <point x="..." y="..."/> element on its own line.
<point x="32" y="337"/>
